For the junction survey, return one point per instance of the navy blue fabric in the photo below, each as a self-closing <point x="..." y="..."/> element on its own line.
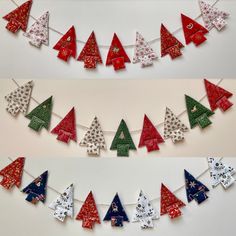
<point x="116" y="213"/>
<point x="37" y="189"/>
<point x="195" y="189"/>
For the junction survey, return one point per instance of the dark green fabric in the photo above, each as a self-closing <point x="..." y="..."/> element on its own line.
<point x="122" y="141"/>
<point x="197" y="112"/>
<point x="41" y="115"/>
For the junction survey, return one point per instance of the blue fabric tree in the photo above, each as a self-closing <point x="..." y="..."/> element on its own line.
<point x="37" y="189"/>
<point x="195" y="189"/>
<point x="116" y="213"/>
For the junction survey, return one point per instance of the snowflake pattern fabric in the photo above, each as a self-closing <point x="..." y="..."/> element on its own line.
<point x="173" y="127"/>
<point x="220" y="173"/>
<point x="94" y="139"/>
<point x="18" y="100"/>
<point x="144" y="212"/>
<point x="212" y="16"/>
<point x="143" y="52"/>
<point x="63" y="206"/>
<point x="39" y="31"/>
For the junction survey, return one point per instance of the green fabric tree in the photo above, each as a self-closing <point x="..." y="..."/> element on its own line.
<point x="197" y="113"/>
<point x="122" y="141"/>
<point x="41" y="115"/>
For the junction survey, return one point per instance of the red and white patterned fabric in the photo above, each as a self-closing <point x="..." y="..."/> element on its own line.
<point x="212" y="16"/>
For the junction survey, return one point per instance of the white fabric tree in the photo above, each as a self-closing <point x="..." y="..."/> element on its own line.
<point x="144" y="212"/>
<point x="94" y="139"/>
<point x="18" y="100"/>
<point x="220" y="173"/>
<point x="64" y="204"/>
<point x="39" y="31"/>
<point x="173" y="127"/>
<point x="143" y="52"/>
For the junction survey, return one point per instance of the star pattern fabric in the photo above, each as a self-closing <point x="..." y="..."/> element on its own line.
<point x="39" y="31"/>
<point x="195" y="189"/>
<point x="116" y="213"/>
<point x="12" y="174"/>
<point x="144" y="212"/>
<point x="197" y="113"/>
<point x="150" y="137"/>
<point x="193" y="31"/>
<point x="63" y="205"/>
<point x="117" y="55"/>
<point x="212" y="16"/>
<point x="41" y="115"/>
<point x="36" y="191"/>
<point x="169" y="44"/>
<point x="173" y="127"/>
<point x="89" y="213"/>
<point x="122" y="141"/>
<point x="221" y="173"/>
<point x="18" y="18"/>
<point x="90" y="53"/>
<point x="143" y="52"/>
<point x="67" y="45"/>
<point x="217" y="96"/>
<point x="94" y="139"/>
<point x="19" y="99"/>
<point x="66" y="129"/>
<point x="170" y="204"/>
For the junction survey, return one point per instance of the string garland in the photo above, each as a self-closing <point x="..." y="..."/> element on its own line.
<point x="111" y="132"/>
<point x="108" y="46"/>
<point x="106" y="204"/>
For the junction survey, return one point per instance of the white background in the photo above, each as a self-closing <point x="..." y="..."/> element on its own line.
<point x="112" y="100"/>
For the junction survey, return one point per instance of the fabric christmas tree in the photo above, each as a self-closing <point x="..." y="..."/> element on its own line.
<point x="66" y="129"/>
<point x="67" y="45"/>
<point x="220" y="173"/>
<point x="12" y="174"/>
<point x="90" y="53"/>
<point x="41" y="115"/>
<point x="193" y="31"/>
<point x="170" y="204"/>
<point x="122" y="141"/>
<point x="39" y="31"/>
<point x="18" y="100"/>
<point x="143" y="52"/>
<point x="116" y="213"/>
<point x="213" y="17"/>
<point x="169" y="44"/>
<point x="197" y="113"/>
<point x="64" y="205"/>
<point x="217" y="96"/>
<point x="18" y="18"/>
<point x="195" y="189"/>
<point x="150" y="137"/>
<point x="117" y="55"/>
<point x="94" y="139"/>
<point x="36" y="191"/>
<point x="89" y="213"/>
<point x="144" y="212"/>
<point x="173" y="127"/>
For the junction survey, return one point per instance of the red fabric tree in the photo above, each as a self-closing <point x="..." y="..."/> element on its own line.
<point x="217" y="96"/>
<point x="12" y="173"/>
<point x="89" y="213"/>
<point x="170" y="44"/>
<point x="193" y="31"/>
<point x="150" y="137"/>
<point x="117" y="55"/>
<point x="66" y="129"/>
<point x="90" y="53"/>
<point x="18" y="18"/>
<point x="170" y="204"/>
<point x="67" y="45"/>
